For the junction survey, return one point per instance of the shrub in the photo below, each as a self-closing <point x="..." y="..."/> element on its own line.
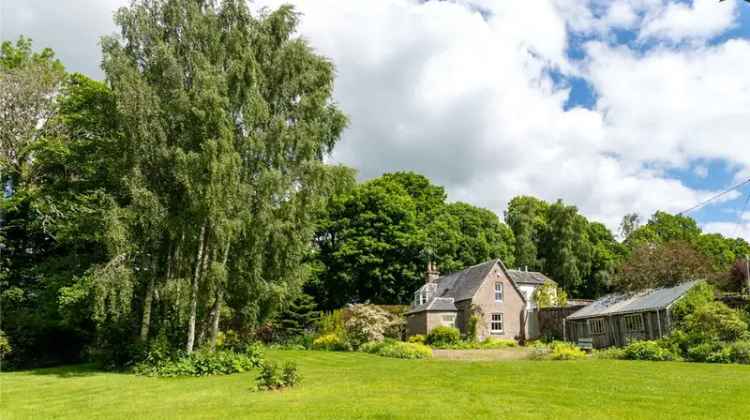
<point x="397" y="349"/>
<point x="497" y="343"/>
<point x="332" y="323"/>
<point x="723" y="354"/>
<point x="702" y="352"/>
<point x="609" y="353"/>
<point x="396" y="329"/>
<point x="272" y="377"/>
<point x="471" y="328"/>
<point x="417" y="339"/>
<point x="716" y="322"/>
<point x="560" y="350"/>
<point x="648" y="350"/>
<point x="202" y="363"/>
<point x="367" y="323"/>
<point x="5" y="347"/>
<point x="557" y="350"/>
<point x="269" y="377"/>
<point x="443" y="336"/>
<point x="331" y="342"/>
<point x="700" y="295"/>
<point x="740" y="352"/>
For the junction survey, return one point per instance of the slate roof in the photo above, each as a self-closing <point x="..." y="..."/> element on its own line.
<point x="620" y="303"/>
<point x="528" y="277"/>
<point x="461" y="285"/>
<point x="441" y="304"/>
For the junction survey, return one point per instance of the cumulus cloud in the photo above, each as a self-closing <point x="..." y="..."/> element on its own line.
<point x="474" y="93"/>
<point x="677" y="21"/>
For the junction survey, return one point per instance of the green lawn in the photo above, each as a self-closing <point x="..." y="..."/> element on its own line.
<point x="354" y="385"/>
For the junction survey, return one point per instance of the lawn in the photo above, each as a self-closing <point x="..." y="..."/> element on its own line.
<point x="355" y="385"/>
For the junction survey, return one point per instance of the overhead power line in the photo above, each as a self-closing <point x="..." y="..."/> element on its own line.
<point x="703" y="203"/>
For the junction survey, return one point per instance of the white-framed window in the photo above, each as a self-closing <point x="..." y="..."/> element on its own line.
<point x="421" y="296"/>
<point x="634" y="323"/>
<point x="597" y="326"/>
<point x="498" y="291"/>
<point x="496" y="323"/>
<point x="449" y="320"/>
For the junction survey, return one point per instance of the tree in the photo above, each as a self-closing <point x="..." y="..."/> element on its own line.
<point x="299" y="316"/>
<point x="463" y="235"/>
<point x="662" y="265"/>
<point x="375" y="240"/>
<point x="630" y="223"/>
<point x="549" y="295"/>
<point x="566" y="247"/>
<point x="229" y="116"/>
<point x="664" y="227"/>
<point x="29" y="83"/>
<point x="370" y="247"/>
<point x="527" y="218"/>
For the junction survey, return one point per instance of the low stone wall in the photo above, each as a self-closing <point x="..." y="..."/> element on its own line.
<point x="551" y="321"/>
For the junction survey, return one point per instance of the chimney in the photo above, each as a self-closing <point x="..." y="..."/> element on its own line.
<point x="432" y="274"/>
<point x="526" y="268"/>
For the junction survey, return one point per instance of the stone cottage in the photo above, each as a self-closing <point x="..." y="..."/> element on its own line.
<point x="502" y="299"/>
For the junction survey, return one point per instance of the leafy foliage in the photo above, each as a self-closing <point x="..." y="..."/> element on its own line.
<point x="367" y="323"/>
<point x="487" y="344"/>
<point x="443" y="336"/>
<point x="662" y="265"/>
<point x="557" y="350"/>
<point x="555" y="239"/>
<point x="272" y="377"/>
<point x="417" y="339"/>
<point x="5" y="347"/>
<point x="299" y="317"/>
<point x="397" y="349"/>
<point x="202" y="363"/>
<point x="376" y="238"/>
<point x="331" y="342"/>
<point x="549" y="295"/>
<point x="647" y="350"/>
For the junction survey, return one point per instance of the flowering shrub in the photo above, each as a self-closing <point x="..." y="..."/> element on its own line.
<point x="565" y="351"/>
<point x="397" y="349"/>
<point x="331" y="342"/>
<point x="417" y="339"/>
<point x="367" y="323"/>
<point x="557" y="350"/>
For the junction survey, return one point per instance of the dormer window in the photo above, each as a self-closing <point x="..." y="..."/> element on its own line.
<point x="424" y="294"/>
<point x="498" y="291"/>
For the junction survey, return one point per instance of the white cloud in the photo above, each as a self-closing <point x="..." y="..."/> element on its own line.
<point x="678" y="21"/>
<point x="701" y="171"/>
<point x="467" y="99"/>
<point x="672" y="106"/>
<point x="437" y="89"/>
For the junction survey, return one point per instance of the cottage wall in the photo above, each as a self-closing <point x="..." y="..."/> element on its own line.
<point x="464" y="314"/>
<point x="440" y="319"/>
<point x="512" y="307"/>
<point x="416" y="323"/>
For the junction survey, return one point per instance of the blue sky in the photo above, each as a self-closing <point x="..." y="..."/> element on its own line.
<point x="700" y="174"/>
<point x="616" y="106"/>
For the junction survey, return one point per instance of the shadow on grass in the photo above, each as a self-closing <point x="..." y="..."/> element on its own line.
<point x="69" y="371"/>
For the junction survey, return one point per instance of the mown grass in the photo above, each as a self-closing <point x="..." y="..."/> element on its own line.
<point x="356" y="385"/>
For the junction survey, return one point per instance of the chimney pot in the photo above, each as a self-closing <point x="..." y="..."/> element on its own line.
<point x="432" y="273"/>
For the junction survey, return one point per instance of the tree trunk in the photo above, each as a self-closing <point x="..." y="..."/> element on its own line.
<point x="194" y="291"/>
<point x="217" y="305"/>
<point x="146" y="321"/>
<point x="216" y="315"/>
